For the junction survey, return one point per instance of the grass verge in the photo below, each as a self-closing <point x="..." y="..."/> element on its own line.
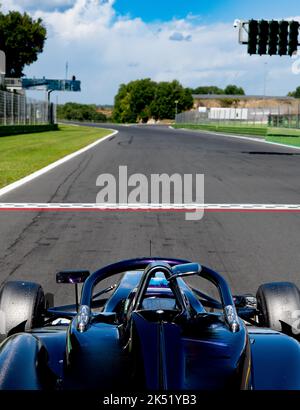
<point x="293" y="141"/>
<point x="21" y="155"/>
<point x="231" y="129"/>
<point x="284" y="136"/>
<point x="280" y="135"/>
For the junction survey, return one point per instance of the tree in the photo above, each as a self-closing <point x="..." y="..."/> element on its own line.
<point x="234" y="90"/>
<point x="133" y="100"/>
<point x="80" y="112"/>
<point x="121" y="112"/>
<point x="164" y="103"/>
<point x="211" y="89"/>
<point x="22" y="39"/>
<point x="295" y="94"/>
<point x="142" y="93"/>
<point x="142" y="99"/>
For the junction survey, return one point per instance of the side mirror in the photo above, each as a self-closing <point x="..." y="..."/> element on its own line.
<point x="74" y="276"/>
<point x="186" y="269"/>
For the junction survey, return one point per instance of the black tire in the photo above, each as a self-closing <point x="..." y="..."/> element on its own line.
<point x="21" y="307"/>
<point x="49" y="300"/>
<point x="276" y="303"/>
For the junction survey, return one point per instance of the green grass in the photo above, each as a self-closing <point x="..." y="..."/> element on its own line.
<point x="293" y="141"/>
<point x="286" y="136"/>
<point x="283" y="132"/>
<point x="256" y="130"/>
<point x="20" y="155"/>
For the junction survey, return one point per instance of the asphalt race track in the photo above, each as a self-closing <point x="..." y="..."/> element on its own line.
<point x="248" y="248"/>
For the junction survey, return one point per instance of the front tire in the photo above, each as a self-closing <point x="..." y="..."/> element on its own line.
<point x="278" y="304"/>
<point x="21" y="307"/>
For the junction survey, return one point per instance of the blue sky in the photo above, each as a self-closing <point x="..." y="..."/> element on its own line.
<point x="208" y="10"/>
<point x="109" y="42"/>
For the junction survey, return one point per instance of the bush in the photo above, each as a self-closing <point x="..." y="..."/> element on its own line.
<point x="80" y="112"/>
<point x="229" y="102"/>
<point x="234" y="90"/>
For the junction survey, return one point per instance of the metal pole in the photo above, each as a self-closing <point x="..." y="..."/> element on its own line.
<point x="265" y="79"/>
<point x="49" y="105"/>
<point x="236" y="122"/>
<point x="176" y="108"/>
<point x="19" y="108"/>
<point x="4" y="96"/>
<point x="24" y="107"/>
<point x="12" y="109"/>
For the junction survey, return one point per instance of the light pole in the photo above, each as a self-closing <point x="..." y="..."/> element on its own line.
<point x="265" y="79"/>
<point x="176" y="107"/>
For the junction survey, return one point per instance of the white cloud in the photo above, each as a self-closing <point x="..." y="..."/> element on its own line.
<point x="177" y="36"/>
<point x="10" y="5"/>
<point x="36" y="4"/>
<point x="104" y="50"/>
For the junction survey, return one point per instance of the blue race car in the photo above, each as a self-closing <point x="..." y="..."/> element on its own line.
<point x="141" y="325"/>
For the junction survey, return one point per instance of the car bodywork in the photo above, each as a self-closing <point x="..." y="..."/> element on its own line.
<point x="153" y="332"/>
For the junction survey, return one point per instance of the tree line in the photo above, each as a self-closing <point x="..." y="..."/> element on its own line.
<point x="140" y="100"/>
<point x="80" y="112"/>
<point x="231" y="89"/>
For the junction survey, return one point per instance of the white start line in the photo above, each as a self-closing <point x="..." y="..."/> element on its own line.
<point x="74" y="207"/>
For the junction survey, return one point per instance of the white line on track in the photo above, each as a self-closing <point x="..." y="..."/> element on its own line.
<point x="56" y="207"/>
<point x="55" y="164"/>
